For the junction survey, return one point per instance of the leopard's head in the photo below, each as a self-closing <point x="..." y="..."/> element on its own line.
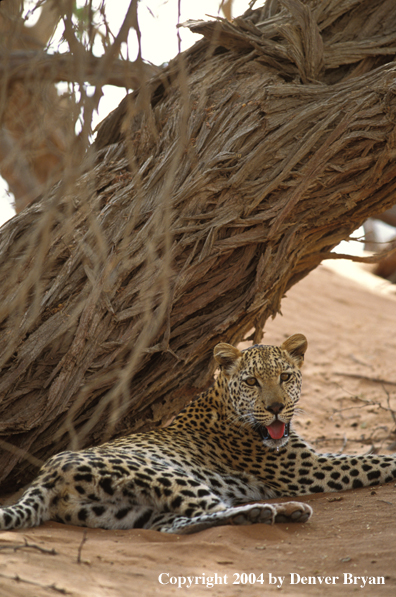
<point x="264" y="385"/>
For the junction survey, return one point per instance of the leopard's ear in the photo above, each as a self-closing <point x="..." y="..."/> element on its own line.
<point x="296" y="346"/>
<point x="226" y="356"/>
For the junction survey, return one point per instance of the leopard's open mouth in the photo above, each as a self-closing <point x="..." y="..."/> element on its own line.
<point x="277" y="430"/>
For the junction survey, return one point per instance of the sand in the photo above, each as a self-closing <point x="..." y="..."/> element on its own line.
<point x="347" y="548"/>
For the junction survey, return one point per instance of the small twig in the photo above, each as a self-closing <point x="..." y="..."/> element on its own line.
<point x="357" y="258"/>
<point x="52" y="587"/>
<point x="370" y="440"/>
<point x="356" y="360"/>
<point x="83" y="540"/>
<point x="341" y="410"/>
<point x="52" y="552"/>
<point x="392" y="412"/>
<point x="367" y="402"/>
<point x="321" y="440"/>
<point x="344" y="443"/>
<point x="366" y="377"/>
<point x="362" y="441"/>
<point x="23" y="454"/>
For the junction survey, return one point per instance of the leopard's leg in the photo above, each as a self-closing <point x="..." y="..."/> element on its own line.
<point x="89" y="489"/>
<point x="311" y="472"/>
<point x="238" y="515"/>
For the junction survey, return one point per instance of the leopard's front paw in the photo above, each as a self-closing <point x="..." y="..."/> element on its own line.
<point x="292" y="512"/>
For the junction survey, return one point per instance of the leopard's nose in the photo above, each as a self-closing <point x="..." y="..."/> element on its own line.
<point x="275" y="407"/>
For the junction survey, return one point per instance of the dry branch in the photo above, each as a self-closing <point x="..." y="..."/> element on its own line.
<point x="34" y="119"/>
<point x="212" y="191"/>
<point x="22" y="65"/>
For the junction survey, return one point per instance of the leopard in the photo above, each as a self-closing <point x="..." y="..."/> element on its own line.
<point x="222" y="458"/>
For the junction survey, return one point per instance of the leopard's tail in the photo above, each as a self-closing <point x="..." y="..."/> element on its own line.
<point x="31" y="510"/>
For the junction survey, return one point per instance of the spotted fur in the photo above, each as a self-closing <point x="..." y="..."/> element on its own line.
<point x="231" y="446"/>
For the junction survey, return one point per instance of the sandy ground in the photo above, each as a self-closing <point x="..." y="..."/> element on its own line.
<point x="347" y="548"/>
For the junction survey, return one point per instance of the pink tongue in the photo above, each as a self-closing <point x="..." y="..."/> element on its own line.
<point x="276" y="430"/>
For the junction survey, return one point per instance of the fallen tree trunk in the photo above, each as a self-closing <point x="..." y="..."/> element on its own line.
<point x="208" y="194"/>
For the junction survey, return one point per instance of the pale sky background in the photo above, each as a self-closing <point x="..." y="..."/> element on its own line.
<point x="157" y="21"/>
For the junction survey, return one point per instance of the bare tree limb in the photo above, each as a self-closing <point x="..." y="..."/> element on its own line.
<point x="19" y="65"/>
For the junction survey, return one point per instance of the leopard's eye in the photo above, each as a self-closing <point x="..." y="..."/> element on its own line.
<point x="285" y="376"/>
<point x="251" y="381"/>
